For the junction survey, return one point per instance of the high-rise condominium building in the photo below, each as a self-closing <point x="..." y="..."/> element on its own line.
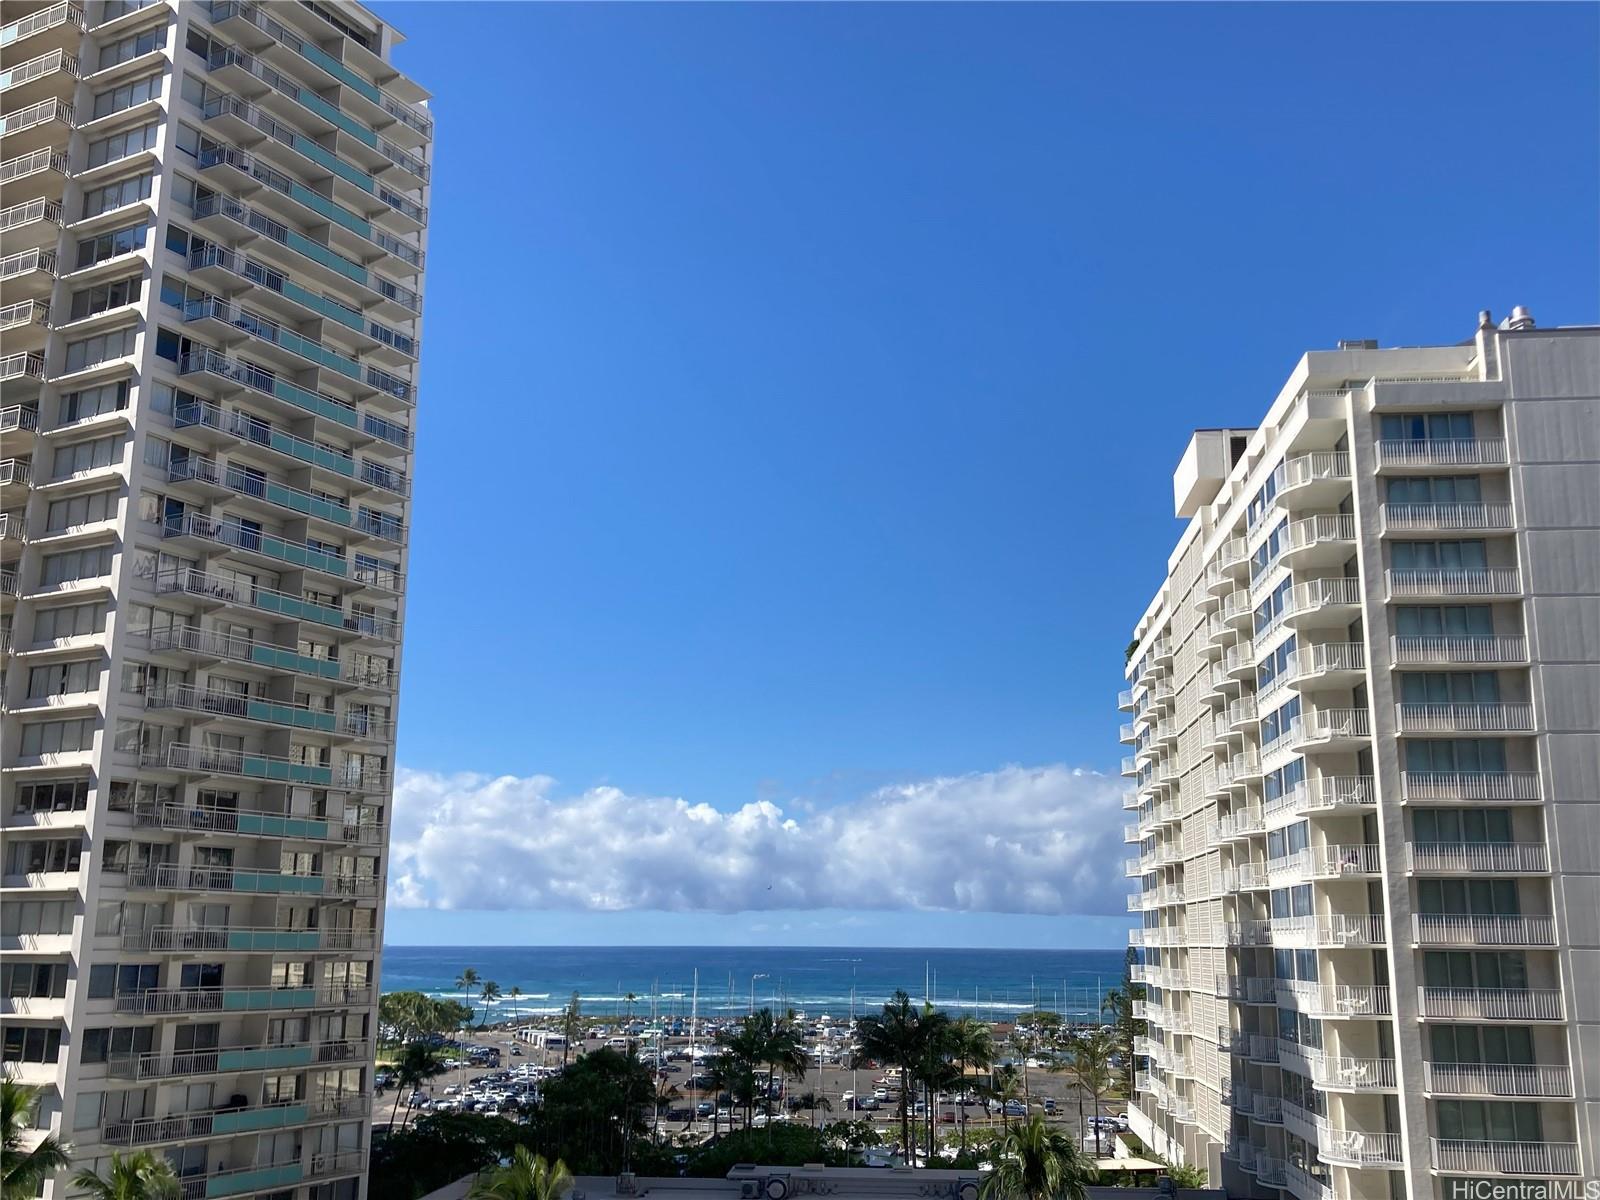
<point x="213" y="225"/>
<point x="1366" y="779"/>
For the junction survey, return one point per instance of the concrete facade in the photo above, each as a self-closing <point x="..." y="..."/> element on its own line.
<point x="1365" y="779"/>
<point x="214" y="221"/>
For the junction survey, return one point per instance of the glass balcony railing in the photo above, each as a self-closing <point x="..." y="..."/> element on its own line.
<point x="230" y="590"/>
<point x="170" y="877"/>
<point x="217" y="760"/>
<point x="232" y="939"/>
<point x="257" y="326"/>
<point x="243" y="708"/>
<point x="184" y="1001"/>
<point x="205" y="414"/>
<point x="209" y="819"/>
<point x="237" y="535"/>
<point x="225" y="1060"/>
<point x="246" y="482"/>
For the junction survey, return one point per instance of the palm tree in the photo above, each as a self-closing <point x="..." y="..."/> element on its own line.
<point x="895" y="1037"/>
<point x="1118" y="1004"/>
<point x="629" y="999"/>
<point x="23" y="1170"/>
<point x="571" y="1026"/>
<point x="1006" y="1086"/>
<point x="973" y="1044"/>
<point x="1035" y="1162"/>
<point x="1091" y="1055"/>
<point x="811" y="1102"/>
<point x="490" y="993"/>
<point x="418" y="1063"/>
<point x="514" y="993"/>
<point x="782" y="1052"/>
<point x="526" y="1177"/>
<point x="137" y="1176"/>
<point x="466" y="981"/>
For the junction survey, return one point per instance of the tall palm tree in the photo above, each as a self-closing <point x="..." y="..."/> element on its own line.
<point x="1091" y="1055"/>
<point x="490" y="993"/>
<point x="23" y="1170"/>
<point x="137" y="1176"/>
<point x="1036" y="1162"/>
<point x="418" y="1063"/>
<point x="895" y="1037"/>
<point x="973" y="1043"/>
<point x="1118" y="1005"/>
<point x="1006" y="1086"/>
<point x="571" y="1026"/>
<point x="526" y="1177"/>
<point x="630" y="999"/>
<point x="514" y="993"/>
<point x="781" y="1052"/>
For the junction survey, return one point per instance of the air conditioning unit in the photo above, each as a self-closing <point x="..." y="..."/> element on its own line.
<point x="749" y="1189"/>
<point x="777" y="1187"/>
<point x="967" y="1189"/>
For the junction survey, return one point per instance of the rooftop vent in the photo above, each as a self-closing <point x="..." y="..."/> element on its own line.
<point x="1358" y="343"/>
<point x="1519" y="319"/>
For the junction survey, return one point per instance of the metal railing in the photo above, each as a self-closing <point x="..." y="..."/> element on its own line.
<point x="1465" y="718"/>
<point x="1467" y="929"/>
<point x="1502" y="786"/>
<point x="1479" y="857"/>
<point x="1492" y="1004"/>
<point x="1497" y="1079"/>
<point x="1489" y="581"/>
<point x="1442" y="452"/>
<point x="1427" y="517"/>
<point x="1504" y="1158"/>
<point x="38" y="22"/>
<point x="1418" y="651"/>
<point x="216" y="1060"/>
<point x="30" y="164"/>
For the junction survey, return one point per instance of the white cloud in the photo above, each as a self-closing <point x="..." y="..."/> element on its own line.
<point x="1017" y="840"/>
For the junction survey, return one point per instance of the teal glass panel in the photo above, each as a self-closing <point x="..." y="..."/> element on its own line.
<point x="329" y="112"/>
<point x="257" y="999"/>
<point x="241" y="1183"/>
<point x="320" y="253"/>
<point x="334" y="163"/>
<point x="249" y="1119"/>
<point x="328" y="308"/>
<point x="339" y="71"/>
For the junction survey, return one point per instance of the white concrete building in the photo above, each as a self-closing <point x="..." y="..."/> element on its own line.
<point x="213" y="218"/>
<point x="1365" y="769"/>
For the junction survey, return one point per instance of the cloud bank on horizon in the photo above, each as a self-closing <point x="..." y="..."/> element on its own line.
<point x="1043" y="840"/>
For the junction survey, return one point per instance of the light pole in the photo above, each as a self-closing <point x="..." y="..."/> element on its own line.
<point x="753" y="978"/>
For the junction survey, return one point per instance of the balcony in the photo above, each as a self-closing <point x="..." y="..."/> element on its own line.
<point x="1333" y="861"/>
<point x="1520" y="1081"/>
<point x="57" y="27"/>
<point x="240" y="1181"/>
<point x="234" y="1059"/>
<point x="1332" y="729"/>
<point x="1340" y="1001"/>
<point x="207" y="819"/>
<point x="1326" y="539"/>
<point x="1424" y="453"/>
<point x="1446" y="518"/>
<point x="29" y="176"/>
<point x="1318" y="602"/>
<point x="227" y="591"/>
<point x="298" y="399"/>
<point x="187" y="1001"/>
<point x="187" y="1127"/>
<point x="1449" y="787"/>
<point x="1491" y="1004"/>
<point x="1464" y="718"/>
<point x="1339" y="931"/>
<point x="1478" y="858"/>
<point x="1329" y="794"/>
<point x="1458" y="651"/>
<point x="170" y="877"/>
<point x="226" y="939"/>
<point x="1354" y="1148"/>
<point x="1489" y="581"/>
<point x="216" y="644"/>
<point x="251" y="540"/>
<point x="1504" y="1158"/>
<point x="1451" y="929"/>
<point x="229" y="705"/>
<point x="213" y="760"/>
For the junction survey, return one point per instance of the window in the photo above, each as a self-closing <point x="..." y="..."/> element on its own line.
<point x="103" y="347"/>
<point x="1470" y="756"/>
<point x="1469" y="897"/>
<point x="80" y="510"/>
<point x="1280" y="721"/>
<point x="110" y="245"/>
<point x="1475" y="825"/>
<point x="1489" y="1120"/>
<point x="72" y="565"/>
<point x="57" y="737"/>
<point x="1285" y="779"/>
<point x="33" y="980"/>
<point x="121" y="979"/>
<point x="132" y="47"/>
<point x="33" y="856"/>
<point x="74" y="620"/>
<point x="1450" y="687"/>
<point x="125" y="95"/>
<point x="1493" y="970"/>
<point x="1446" y="620"/>
<point x="52" y="795"/>
<point x="95" y="401"/>
<point x="86" y="456"/>
<point x="105" y="297"/>
<point x="1436" y="556"/>
<point x="1435" y="489"/>
<point x="99" y="1045"/>
<point x="121" y="145"/>
<point x="115" y="195"/>
<point x="1427" y="427"/>
<point x="33" y="1044"/>
<point x="41" y="918"/>
<point x="63" y="678"/>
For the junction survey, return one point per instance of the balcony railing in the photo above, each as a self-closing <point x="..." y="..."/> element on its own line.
<point x="239" y="536"/>
<point x="1451" y="929"/>
<point x="1452" y="452"/>
<point x="1504" y="1158"/>
<point x="1490" y="581"/>
<point x="38" y="22"/>
<point x="1334" y="724"/>
<point x="1472" y="858"/>
<point x="230" y="590"/>
<point x="1354" y="1148"/>
<point x="1445" y="786"/>
<point x="1337" y="1001"/>
<point x="1428" y="651"/>
<point x="230" y="1059"/>
<point x="213" y="939"/>
<point x="182" y="1001"/>
<point x="215" y="643"/>
<point x="176" y="878"/>
<point x="1498" y="1079"/>
<point x="247" y="823"/>
<point x="216" y="760"/>
<point x="1491" y="1004"/>
<point x="1465" y="718"/>
<point x="241" y="707"/>
<point x="1415" y="518"/>
<point x="1316" y="467"/>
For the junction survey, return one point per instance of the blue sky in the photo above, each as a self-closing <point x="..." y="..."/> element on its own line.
<point x="805" y="428"/>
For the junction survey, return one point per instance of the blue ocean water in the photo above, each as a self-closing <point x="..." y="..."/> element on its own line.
<point x="814" y="979"/>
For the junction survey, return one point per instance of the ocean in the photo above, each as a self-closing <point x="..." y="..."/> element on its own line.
<point x="993" y="984"/>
